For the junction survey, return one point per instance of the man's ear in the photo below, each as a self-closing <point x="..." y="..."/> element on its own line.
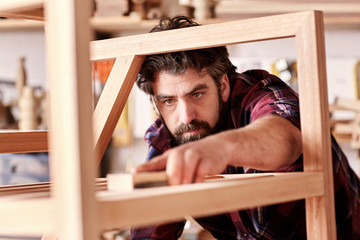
<point x="225" y="88"/>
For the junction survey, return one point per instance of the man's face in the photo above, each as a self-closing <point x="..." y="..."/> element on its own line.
<point x="189" y="104"/>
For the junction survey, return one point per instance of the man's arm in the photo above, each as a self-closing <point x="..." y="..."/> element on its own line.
<point x="268" y="143"/>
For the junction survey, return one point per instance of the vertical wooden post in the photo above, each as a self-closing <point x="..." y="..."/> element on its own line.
<point x="72" y="156"/>
<point x="320" y="211"/>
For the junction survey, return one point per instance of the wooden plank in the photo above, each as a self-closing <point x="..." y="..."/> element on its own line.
<point x="265" y="28"/>
<point x="44" y="187"/>
<point x="72" y="154"/>
<point x="20" y="5"/>
<point x="348" y="104"/>
<point x="23" y="142"/>
<point x="277" y="7"/>
<point x="12" y="25"/>
<point x="315" y="127"/>
<point x="30" y="217"/>
<point x="28" y="9"/>
<point x="155" y="205"/>
<point x="127" y="182"/>
<point x="113" y="99"/>
<point x="147" y="206"/>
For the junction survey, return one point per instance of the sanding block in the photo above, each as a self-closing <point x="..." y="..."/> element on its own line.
<point x="126" y="182"/>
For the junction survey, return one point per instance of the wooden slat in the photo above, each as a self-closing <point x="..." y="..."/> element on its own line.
<point x="72" y="155"/>
<point x="12" y="25"/>
<point x="22" y="142"/>
<point x="43" y="187"/>
<point x="30" y="217"/>
<point x="149" y="206"/>
<point x="113" y="99"/>
<point x="315" y="127"/>
<point x="211" y="35"/>
<point x="277" y="7"/>
<point x="28" y="9"/>
<point x="348" y="104"/>
<point x="20" y="5"/>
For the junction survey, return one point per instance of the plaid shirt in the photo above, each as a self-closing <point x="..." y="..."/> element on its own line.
<point x="255" y="94"/>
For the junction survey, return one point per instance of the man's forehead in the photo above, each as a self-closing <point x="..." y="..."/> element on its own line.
<point x="176" y="83"/>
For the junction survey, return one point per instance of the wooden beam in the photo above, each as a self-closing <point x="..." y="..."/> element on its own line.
<point x="30" y="216"/>
<point x="217" y="34"/>
<point x="28" y="9"/>
<point x="148" y="206"/>
<point x="156" y="205"/>
<point x="72" y="154"/>
<point x="348" y="104"/>
<point x="278" y="7"/>
<point x="20" y="5"/>
<point x="23" y="142"/>
<point x="315" y="127"/>
<point x="113" y="99"/>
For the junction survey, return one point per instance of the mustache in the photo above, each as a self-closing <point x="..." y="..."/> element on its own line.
<point x="193" y="125"/>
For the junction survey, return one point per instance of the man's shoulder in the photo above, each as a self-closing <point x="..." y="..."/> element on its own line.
<point x="255" y="76"/>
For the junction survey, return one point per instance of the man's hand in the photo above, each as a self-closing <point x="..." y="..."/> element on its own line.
<point x="269" y="143"/>
<point x="190" y="162"/>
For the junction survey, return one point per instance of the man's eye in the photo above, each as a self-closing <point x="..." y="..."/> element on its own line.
<point x="198" y="94"/>
<point x="168" y="102"/>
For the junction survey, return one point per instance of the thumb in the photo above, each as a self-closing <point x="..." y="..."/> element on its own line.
<point x="155" y="164"/>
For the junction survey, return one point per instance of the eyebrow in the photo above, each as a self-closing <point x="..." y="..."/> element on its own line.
<point x="195" y="89"/>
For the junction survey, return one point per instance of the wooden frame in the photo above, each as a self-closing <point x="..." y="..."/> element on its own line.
<point x="75" y="212"/>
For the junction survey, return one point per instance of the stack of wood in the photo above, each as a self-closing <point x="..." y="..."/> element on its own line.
<point x="346" y="130"/>
<point x="203" y="9"/>
<point x="142" y="9"/>
<point x="111" y="8"/>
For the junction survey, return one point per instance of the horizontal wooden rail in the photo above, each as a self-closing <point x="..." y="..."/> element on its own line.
<point x="216" y="34"/>
<point x="23" y="142"/>
<point x="149" y="206"/>
<point x="116" y="210"/>
<point x="28" y="9"/>
<point x="31" y="217"/>
<point x="43" y="187"/>
<point x="20" y="5"/>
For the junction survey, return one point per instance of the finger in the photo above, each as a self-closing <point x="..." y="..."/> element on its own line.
<point x="175" y="167"/>
<point x="203" y="170"/>
<point x="191" y="160"/>
<point x="158" y="163"/>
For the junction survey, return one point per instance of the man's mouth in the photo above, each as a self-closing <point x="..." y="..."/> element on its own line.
<point x="193" y="131"/>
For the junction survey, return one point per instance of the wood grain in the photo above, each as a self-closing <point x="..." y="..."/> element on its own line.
<point x="315" y="126"/>
<point x="23" y="142"/>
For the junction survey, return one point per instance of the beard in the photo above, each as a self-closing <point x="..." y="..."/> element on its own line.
<point x="181" y="137"/>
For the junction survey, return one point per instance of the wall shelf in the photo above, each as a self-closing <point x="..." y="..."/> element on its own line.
<point x="130" y="24"/>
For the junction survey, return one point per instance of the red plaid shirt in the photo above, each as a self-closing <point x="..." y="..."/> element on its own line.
<point x="255" y="94"/>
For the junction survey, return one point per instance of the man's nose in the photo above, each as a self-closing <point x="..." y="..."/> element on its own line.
<point x="187" y="113"/>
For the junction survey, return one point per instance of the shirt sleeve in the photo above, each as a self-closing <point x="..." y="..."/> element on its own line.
<point x="269" y="96"/>
<point x="169" y="231"/>
<point x="273" y="97"/>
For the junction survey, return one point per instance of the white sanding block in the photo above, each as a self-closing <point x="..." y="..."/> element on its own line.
<point x="126" y="182"/>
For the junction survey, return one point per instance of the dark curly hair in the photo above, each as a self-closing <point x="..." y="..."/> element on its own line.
<point x="214" y="61"/>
